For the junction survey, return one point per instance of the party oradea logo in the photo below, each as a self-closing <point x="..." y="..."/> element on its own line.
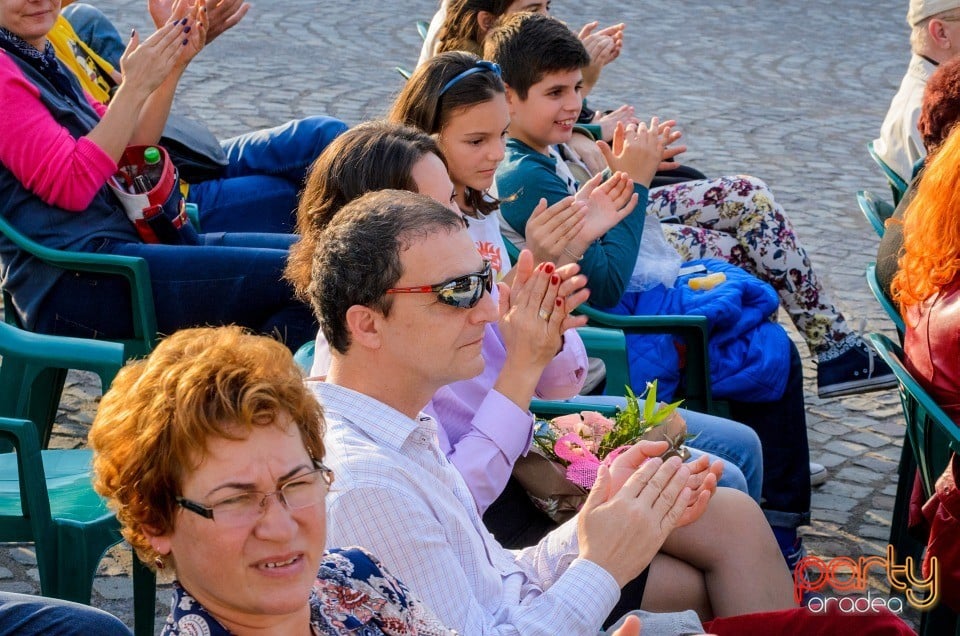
<point x="846" y="576"/>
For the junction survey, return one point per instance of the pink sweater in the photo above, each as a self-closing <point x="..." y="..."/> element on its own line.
<point x="41" y="154"/>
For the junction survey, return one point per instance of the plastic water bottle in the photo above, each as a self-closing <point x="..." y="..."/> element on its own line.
<point x="153" y="167"/>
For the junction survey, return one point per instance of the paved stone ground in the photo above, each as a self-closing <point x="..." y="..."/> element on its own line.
<point x="789" y="92"/>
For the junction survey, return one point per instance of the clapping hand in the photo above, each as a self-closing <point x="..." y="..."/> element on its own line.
<point x="622" y="528"/>
<point x="636" y="150"/>
<point x="608" y="203"/>
<point x="144" y="66"/>
<point x="221" y="14"/>
<point x="608" y="122"/>
<point x="668" y="136"/>
<point x="702" y="481"/>
<point x="549" y="230"/>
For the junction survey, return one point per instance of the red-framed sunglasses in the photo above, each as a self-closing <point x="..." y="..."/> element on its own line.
<point x="463" y="292"/>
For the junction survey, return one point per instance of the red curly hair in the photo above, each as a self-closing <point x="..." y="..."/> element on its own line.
<point x="152" y="427"/>
<point x="931" y="229"/>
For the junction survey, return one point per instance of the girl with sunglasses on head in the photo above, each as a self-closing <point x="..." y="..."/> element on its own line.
<point x="460" y="101"/>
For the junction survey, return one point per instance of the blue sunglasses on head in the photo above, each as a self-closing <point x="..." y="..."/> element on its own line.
<point x="479" y="67"/>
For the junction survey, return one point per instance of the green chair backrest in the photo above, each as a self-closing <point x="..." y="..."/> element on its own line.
<point x="33" y="368"/>
<point x="898" y="187"/>
<point x="133" y="269"/>
<point x="875" y="209"/>
<point x="888" y="307"/>
<point x="930" y="432"/>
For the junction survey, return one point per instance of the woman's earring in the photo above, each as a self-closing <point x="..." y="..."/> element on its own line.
<point x="159" y="563"/>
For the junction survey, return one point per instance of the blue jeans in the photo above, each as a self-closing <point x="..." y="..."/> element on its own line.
<point x="229" y="279"/>
<point x="27" y="615"/>
<point x="736" y="445"/>
<point x="266" y="170"/>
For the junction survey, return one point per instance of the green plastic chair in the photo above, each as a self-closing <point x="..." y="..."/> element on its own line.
<point x="46" y="497"/>
<point x="891" y="310"/>
<point x="898" y="187"/>
<point x="931" y="438"/>
<point x="132" y="268"/>
<point x="33" y="368"/>
<point x="875" y="209"/>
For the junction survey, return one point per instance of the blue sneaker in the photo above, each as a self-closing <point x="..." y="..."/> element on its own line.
<point x="855" y="369"/>
<point x="792" y="556"/>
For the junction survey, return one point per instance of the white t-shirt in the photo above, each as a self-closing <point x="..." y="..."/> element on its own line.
<point x="485" y="232"/>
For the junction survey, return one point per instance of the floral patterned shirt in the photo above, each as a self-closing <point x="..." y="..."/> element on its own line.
<point x="353" y="594"/>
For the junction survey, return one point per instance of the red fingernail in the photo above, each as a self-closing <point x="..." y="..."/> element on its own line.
<point x="555" y="279"/>
<point x="559" y="302"/>
<point x="548" y="268"/>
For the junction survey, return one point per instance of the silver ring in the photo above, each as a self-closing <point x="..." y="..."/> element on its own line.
<point x="543" y="314"/>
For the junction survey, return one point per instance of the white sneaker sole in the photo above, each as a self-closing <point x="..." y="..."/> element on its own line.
<point x="854" y="387"/>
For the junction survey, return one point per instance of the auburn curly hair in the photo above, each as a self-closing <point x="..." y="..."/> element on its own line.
<point x="941" y="105"/>
<point x="931" y="229"/>
<point x="152" y="427"/>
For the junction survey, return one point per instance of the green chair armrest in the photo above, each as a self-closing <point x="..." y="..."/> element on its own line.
<point x="693" y="329"/>
<point x="135" y="270"/>
<point x="546" y="409"/>
<point x="875" y="209"/>
<point x="99" y="356"/>
<point x="422" y="28"/>
<point x="891" y="310"/>
<point x="898" y="186"/>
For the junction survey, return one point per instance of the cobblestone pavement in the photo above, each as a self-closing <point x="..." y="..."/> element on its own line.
<point x="789" y="92"/>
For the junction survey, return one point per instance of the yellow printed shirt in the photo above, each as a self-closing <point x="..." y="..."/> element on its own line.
<point x="94" y="72"/>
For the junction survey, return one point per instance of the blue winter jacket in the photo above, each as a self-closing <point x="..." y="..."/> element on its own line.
<point x="749" y="352"/>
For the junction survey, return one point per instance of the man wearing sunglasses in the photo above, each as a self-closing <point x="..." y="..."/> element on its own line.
<point x="403" y="297"/>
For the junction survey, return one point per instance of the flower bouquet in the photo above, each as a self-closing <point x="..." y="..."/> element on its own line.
<point x="567" y="451"/>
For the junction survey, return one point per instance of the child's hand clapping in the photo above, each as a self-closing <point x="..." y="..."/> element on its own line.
<point x="550" y="230"/>
<point x="636" y="150"/>
<point x="608" y="203"/>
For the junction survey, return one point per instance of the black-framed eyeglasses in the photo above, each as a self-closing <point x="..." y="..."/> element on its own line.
<point x="463" y="292"/>
<point x="245" y="508"/>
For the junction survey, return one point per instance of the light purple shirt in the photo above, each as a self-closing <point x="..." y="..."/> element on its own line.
<point x="481" y="431"/>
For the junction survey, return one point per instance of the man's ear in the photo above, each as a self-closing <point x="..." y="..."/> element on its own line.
<point x="486" y="21"/>
<point x="938" y="33"/>
<point x="364" y="325"/>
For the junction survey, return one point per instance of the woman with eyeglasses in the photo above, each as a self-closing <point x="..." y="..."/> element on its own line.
<point x="210" y="450"/>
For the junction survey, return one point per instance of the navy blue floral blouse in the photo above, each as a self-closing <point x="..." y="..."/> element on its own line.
<point x="353" y="594"/>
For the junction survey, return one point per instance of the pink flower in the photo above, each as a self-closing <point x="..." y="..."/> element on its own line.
<point x="589" y="426"/>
